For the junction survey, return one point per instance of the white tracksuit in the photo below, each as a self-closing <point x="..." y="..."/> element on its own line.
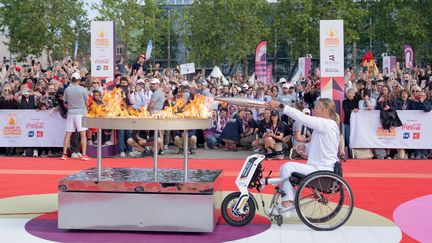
<point x="322" y="151"/>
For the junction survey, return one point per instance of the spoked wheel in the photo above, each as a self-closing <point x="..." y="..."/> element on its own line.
<point x="324" y="201"/>
<point x="234" y="218"/>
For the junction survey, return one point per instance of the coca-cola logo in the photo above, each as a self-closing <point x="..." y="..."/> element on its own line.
<point x="411" y="127"/>
<point x="35" y="125"/>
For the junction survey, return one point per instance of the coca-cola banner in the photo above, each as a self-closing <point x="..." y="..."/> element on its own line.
<point x="367" y="132"/>
<point x="31" y="128"/>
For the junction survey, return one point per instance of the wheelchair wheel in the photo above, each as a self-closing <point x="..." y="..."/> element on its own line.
<point x="324" y="201"/>
<point x="234" y="218"/>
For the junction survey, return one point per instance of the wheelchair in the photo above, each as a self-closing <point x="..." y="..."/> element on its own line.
<point x="323" y="201"/>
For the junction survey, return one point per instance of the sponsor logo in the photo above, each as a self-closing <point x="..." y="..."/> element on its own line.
<point x="35" y="125"/>
<point x="332" y="70"/>
<point x="98" y="67"/>
<point x="31" y="134"/>
<point x="406" y="135"/>
<point x="12" y="127"/>
<point x="105" y="67"/>
<point x="380" y="132"/>
<point x="331" y="39"/>
<point x="40" y="134"/>
<point x="416" y="135"/>
<point x="332" y="58"/>
<point x="102" y="61"/>
<point x="101" y="39"/>
<point x="411" y="127"/>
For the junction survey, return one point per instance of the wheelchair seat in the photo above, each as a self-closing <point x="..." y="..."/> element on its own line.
<point x="297" y="177"/>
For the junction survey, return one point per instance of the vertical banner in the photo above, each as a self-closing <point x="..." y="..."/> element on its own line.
<point x="269" y="74"/>
<point x="76" y="49"/>
<point x="388" y="64"/>
<point x="332" y="60"/>
<point x="304" y="66"/>
<point x="261" y="61"/>
<point x="102" y="50"/>
<point x="409" y="56"/>
<point x="149" y="50"/>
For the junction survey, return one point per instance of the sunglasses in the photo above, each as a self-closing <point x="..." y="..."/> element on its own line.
<point x="415" y="91"/>
<point x="95" y="82"/>
<point x="7" y="90"/>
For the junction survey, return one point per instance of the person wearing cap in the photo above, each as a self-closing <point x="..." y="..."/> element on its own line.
<point x="288" y="96"/>
<point x="202" y="88"/>
<point x="323" y="149"/>
<point x="158" y="97"/>
<point x="302" y="136"/>
<point x="274" y="134"/>
<point x="76" y="101"/>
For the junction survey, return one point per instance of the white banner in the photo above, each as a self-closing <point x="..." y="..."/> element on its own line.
<point x="367" y="132"/>
<point x="332" y="48"/>
<point x="187" y="68"/>
<point x="102" y="50"/>
<point x="31" y="128"/>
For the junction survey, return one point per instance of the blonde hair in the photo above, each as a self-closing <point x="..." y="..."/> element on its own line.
<point x="328" y="105"/>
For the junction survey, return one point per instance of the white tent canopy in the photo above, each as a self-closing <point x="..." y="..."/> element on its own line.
<point x="216" y="73"/>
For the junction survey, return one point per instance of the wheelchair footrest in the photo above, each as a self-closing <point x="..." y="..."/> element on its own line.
<point x="296" y="178"/>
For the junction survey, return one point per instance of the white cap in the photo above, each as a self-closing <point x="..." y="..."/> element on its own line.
<point x="282" y="80"/>
<point x="154" y="81"/>
<point x="184" y="83"/>
<point x="306" y="111"/>
<point x="139" y="81"/>
<point x="245" y="86"/>
<point x="76" y="75"/>
<point x="287" y="85"/>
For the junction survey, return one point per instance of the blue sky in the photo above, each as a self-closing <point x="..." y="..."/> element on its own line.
<point x="87" y="5"/>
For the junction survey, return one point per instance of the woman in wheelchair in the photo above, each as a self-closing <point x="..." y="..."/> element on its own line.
<point x="323" y="150"/>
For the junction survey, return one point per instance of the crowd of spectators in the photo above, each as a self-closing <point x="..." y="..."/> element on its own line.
<point x="153" y="87"/>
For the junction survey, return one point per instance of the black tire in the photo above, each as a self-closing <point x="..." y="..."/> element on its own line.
<point x="231" y="217"/>
<point x="331" y="197"/>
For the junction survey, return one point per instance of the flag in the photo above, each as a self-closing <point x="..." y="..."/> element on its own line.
<point x="76" y="49"/>
<point x="367" y="58"/>
<point x="261" y="61"/>
<point x="409" y="56"/>
<point x="149" y="50"/>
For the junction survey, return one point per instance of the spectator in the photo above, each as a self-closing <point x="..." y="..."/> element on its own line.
<point x="231" y="133"/>
<point x="258" y="143"/>
<point x="349" y="105"/>
<point x="301" y="139"/>
<point x="274" y="134"/>
<point x="192" y="141"/>
<point x="422" y="104"/>
<point x="366" y="103"/>
<point x="249" y="125"/>
<point x="288" y="96"/>
<point x="212" y="135"/>
<point x="141" y="139"/>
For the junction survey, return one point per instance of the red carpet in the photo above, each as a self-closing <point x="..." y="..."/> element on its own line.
<point x="379" y="186"/>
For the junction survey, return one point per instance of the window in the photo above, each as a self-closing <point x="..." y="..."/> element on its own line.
<point x="119" y="51"/>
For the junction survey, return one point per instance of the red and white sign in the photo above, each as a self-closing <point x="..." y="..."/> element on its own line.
<point x="367" y="132"/>
<point x="31" y="128"/>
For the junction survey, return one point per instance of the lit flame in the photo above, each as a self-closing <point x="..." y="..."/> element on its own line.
<point x="113" y="106"/>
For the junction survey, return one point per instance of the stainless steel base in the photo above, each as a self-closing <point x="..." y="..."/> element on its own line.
<point x="137" y="211"/>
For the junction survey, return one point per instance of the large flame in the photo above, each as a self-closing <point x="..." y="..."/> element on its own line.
<point x="113" y="106"/>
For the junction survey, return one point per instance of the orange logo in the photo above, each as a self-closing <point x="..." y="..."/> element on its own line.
<point x="101" y="40"/>
<point x="12" y="128"/>
<point x="380" y="132"/>
<point x="331" y="39"/>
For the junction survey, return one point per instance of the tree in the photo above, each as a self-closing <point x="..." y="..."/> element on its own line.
<point x="399" y="22"/>
<point x="227" y="31"/>
<point x="137" y="21"/>
<point x="33" y="26"/>
<point x="297" y="22"/>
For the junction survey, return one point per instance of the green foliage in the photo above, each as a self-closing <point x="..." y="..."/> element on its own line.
<point x="226" y="30"/>
<point x="35" y="25"/>
<point x="136" y="23"/>
<point x="297" y="22"/>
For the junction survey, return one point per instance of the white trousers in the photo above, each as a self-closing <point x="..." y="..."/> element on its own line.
<point x="290" y="167"/>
